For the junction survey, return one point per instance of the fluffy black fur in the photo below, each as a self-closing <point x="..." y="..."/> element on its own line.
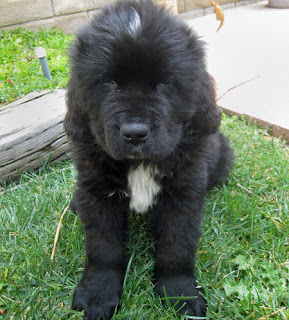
<point x="139" y="93"/>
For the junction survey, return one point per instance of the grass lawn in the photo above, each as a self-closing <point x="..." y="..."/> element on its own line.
<point x="20" y="70"/>
<point x="243" y="257"/>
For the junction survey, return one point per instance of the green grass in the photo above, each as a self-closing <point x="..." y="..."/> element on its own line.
<point x="20" y="70"/>
<point x="242" y="263"/>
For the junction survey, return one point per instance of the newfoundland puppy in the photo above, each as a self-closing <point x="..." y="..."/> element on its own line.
<point x="143" y="122"/>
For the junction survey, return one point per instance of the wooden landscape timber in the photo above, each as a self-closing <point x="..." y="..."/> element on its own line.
<point x="32" y="133"/>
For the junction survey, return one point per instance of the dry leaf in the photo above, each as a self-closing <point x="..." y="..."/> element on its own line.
<point x="219" y="14"/>
<point x="9" y="81"/>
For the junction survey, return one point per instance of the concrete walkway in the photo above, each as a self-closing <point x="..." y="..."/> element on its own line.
<point x="249" y="59"/>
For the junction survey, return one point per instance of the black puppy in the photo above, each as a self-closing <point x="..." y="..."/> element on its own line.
<point x="143" y="121"/>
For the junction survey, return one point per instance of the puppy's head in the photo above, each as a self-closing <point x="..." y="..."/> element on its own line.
<point x="139" y="86"/>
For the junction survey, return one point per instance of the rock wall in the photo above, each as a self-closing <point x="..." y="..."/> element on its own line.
<point x="70" y="14"/>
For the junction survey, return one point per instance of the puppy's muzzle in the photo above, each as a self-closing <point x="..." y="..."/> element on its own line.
<point x="135" y="133"/>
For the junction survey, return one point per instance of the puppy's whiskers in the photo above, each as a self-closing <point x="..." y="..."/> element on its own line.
<point x="172" y="151"/>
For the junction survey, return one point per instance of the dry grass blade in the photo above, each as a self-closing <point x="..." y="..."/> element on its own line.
<point x="236" y="86"/>
<point x="57" y="233"/>
<point x="274" y="313"/>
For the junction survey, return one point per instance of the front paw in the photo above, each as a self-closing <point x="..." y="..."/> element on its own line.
<point x="73" y="206"/>
<point x="176" y="287"/>
<point x="98" y="295"/>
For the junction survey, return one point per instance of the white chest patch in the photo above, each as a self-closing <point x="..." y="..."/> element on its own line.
<point x="135" y="22"/>
<point x="143" y="187"/>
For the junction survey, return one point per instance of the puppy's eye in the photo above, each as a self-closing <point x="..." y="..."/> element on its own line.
<point x="164" y="81"/>
<point x="108" y="81"/>
<point x="161" y="84"/>
<point x="111" y="83"/>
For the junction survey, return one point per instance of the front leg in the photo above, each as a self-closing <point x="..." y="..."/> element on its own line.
<point x="100" y="288"/>
<point x="176" y="223"/>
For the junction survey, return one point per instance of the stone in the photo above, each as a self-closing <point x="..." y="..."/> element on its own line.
<point x="181" y="6"/>
<point x="19" y="11"/>
<point x="71" y="6"/>
<point x="69" y="23"/>
<point x="169" y="4"/>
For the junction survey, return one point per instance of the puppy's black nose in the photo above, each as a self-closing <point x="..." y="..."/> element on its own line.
<point x="135" y="133"/>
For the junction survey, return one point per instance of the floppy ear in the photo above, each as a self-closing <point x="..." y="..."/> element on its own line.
<point x="75" y="121"/>
<point x="207" y="118"/>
